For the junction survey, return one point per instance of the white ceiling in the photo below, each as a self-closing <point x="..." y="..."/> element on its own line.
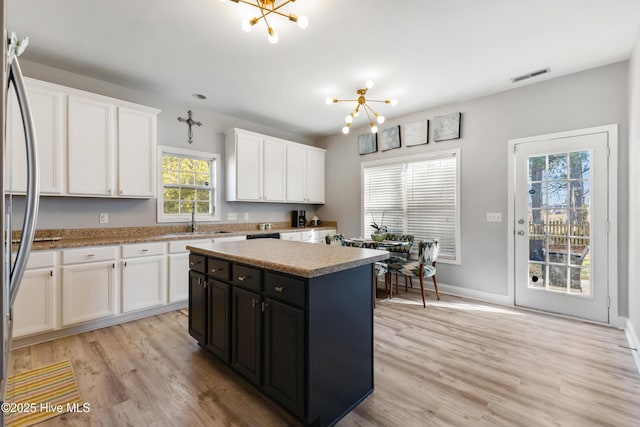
<point x="425" y="53"/>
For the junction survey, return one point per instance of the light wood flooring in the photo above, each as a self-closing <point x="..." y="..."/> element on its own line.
<point x="456" y="363"/>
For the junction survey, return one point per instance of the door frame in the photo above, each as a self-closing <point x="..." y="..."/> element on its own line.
<point x="612" y="212"/>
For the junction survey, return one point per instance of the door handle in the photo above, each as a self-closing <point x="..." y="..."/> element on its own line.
<point x="521" y="233"/>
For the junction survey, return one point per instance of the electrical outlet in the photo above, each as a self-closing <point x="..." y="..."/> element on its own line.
<point x="246" y="216"/>
<point x="104" y="218"/>
<point x="494" y="216"/>
<point x="232" y="216"/>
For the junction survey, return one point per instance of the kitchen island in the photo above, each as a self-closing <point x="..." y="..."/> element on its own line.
<point x="295" y="319"/>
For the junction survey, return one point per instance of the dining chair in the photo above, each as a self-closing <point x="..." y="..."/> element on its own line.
<point x="334" y="239"/>
<point x="380" y="267"/>
<point x="404" y="250"/>
<point x="422" y="268"/>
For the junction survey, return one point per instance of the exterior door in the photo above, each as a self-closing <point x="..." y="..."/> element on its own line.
<point x="561" y="225"/>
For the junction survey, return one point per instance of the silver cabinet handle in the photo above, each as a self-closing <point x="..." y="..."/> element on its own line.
<point x="215" y="270"/>
<point x="279" y="288"/>
<point x="242" y="278"/>
<point x="264" y="306"/>
<point x="33" y="181"/>
<point x="144" y="250"/>
<point x="90" y="255"/>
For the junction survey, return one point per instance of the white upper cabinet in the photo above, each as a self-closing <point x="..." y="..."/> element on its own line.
<point x="48" y="107"/>
<point x="261" y="168"/>
<point x="305" y="174"/>
<point x="91" y="141"/>
<point x="88" y="144"/>
<point x="136" y="152"/>
<point x="255" y="167"/>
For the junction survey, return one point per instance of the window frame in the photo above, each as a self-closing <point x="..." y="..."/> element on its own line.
<point x="215" y="187"/>
<point x="436" y="155"/>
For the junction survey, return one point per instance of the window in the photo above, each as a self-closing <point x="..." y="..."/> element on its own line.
<point x="187" y="179"/>
<point x="416" y="195"/>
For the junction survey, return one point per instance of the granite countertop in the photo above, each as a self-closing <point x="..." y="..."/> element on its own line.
<point x="296" y="258"/>
<point x="76" y="238"/>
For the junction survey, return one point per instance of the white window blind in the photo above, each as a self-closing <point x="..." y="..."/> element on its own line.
<point x="417" y="196"/>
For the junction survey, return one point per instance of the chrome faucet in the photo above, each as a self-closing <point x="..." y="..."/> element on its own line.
<point x="193" y="217"/>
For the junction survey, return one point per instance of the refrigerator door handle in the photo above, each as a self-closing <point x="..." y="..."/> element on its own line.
<point x="33" y="181"/>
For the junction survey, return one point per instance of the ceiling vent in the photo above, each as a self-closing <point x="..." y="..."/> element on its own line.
<point x="529" y="75"/>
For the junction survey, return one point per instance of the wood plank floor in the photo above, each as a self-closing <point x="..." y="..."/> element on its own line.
<point x="456" y="363"/>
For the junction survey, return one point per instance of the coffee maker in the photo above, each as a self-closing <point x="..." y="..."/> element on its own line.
<point x="298" y="218"/>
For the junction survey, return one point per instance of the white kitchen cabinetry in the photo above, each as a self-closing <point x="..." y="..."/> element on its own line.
<point x="91" y="145"/>
<point x="308" y="236"/>
<point x="88" y="284"/>
<point x="255" y="167"/>
<point x="34" y="310"/>
<point x="136" y="152"/>
<point x="48" y="106"/>
<point x="143" y="276"/>
<point x="305" y="174"/>
<point x="179" y="268"/>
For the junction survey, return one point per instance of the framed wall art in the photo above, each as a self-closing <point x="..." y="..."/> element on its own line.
<point x="367" y="143"/>
<point x="416" y="133"/>
<point x="446" y="127"/>
<point x="390" y="138"/>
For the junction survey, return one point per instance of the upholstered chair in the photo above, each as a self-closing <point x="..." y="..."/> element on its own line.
<point x="400" y="250"/>
<point x="422" y="268"/>
<point x="334" y="239"/>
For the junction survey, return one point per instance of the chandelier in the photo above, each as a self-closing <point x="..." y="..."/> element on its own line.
<point x="268" y="7"/>
<point x="362" y="105"/>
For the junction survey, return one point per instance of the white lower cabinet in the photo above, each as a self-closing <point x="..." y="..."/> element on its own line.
<point x="179" y="268"/>
<point x="34" y="310"/>
<point x="308" y="236"/>
<point x="88" y="284"/>
<point x="143" y="276"/>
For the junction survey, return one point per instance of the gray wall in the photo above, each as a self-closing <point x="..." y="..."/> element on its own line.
<point x="634" y="187"/>
<point x="591" y="98"/>
<point x="68" y="212"/>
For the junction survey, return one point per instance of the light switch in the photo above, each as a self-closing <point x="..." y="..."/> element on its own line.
<point x="246" y="216"/>
<point x="494" y="216"/>
<point x="232" y="216"/>
<point x="104" y="218"/>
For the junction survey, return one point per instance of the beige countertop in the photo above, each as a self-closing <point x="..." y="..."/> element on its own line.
<point x="76" y="238"/>
<point x="296" y="258"/>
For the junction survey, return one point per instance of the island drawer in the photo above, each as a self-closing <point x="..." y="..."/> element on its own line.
<point x="247" y="277"/>
<point x="197" y="263"/>
<point x="218" y="269"/>
<point x="284" y="288"/>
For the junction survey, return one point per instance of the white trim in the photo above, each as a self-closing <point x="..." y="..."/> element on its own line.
<point x="217" y="189"/>
<point x="441" y="154"/>
<point x="612" y="211"/>
<point x="634" y="343"/>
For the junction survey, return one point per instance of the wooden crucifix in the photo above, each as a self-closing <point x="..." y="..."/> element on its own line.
<point x="190" y="122"/>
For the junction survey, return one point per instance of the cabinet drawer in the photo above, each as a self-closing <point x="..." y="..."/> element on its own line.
<point x="295" y="236"/>
<point x="176" y="246"/>
<point x="93" y="254"/>
<point x="142" y="249"/>
<point x="247" y="277"/>
<point x="197" y="263"/>
<point x="218" y="269"/>
<point x="306" y="236"/>
<point x="284" y="288"/>
<point x="38" y="259"/>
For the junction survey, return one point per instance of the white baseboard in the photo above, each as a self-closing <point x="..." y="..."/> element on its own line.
<point x="457" y="291"/>
<point x="98" y="324"/>
<point x="634" y="343"/>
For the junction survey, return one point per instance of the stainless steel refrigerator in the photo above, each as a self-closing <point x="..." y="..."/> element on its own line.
<point x="12" y="271"/>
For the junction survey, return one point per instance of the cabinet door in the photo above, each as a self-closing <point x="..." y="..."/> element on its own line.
<point x="197" y="306"/>
<point x="296" y="173"/>
<point x="178" y="277"/>
<point x="315" y="176"/>
<point x="87" y="292"/>
<point x="136" y="153"/>
<point x="34" y="308"/>
<point x="47" y="106"/>
<point x="275" y="153"/>
<point x="284" y="355"/>
<point x="246" y="333"/>
<point x="91" y="133"/>
<point x="249" y="167"/>
<point x="143" y="283"/>
<point x="218" y="319"/>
